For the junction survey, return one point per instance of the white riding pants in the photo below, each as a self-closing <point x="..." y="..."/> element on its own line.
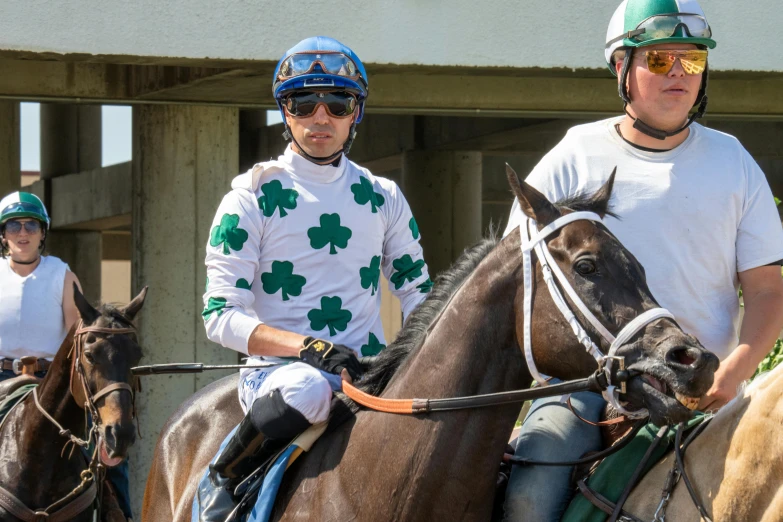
<point x="304" y="388"/>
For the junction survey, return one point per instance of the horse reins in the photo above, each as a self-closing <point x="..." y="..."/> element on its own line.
<point x="87" y="491"/>
<point x="533" y="239"/>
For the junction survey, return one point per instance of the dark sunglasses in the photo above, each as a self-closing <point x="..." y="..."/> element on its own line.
<point x="338" y="104"/>
<point x="14" y="227"/>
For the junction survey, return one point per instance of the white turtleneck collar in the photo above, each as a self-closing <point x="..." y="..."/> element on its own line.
<point x="300" y="167"/>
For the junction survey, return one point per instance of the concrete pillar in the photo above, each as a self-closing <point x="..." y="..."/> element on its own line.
<point x="71" y="143"/>
<point x="443" y="189"/>
<point x="70" y="139"/>
<point x="184" y="158"/>
<point x="78" y="249"/>
<point x="10" y="170"/>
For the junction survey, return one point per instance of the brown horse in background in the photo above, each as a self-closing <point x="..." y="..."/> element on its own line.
<point x="34" y="465"/>
<point x="463" y="340"/>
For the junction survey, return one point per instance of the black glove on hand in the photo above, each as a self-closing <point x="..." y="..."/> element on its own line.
<point x="330" y="357"/>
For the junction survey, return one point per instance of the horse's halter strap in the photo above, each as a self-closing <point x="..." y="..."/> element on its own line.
<point x="534" y="239"/>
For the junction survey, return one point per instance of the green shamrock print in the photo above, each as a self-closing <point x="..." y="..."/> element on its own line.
<point x="406" y="270"/>
<point x="329" y="233"/>
<point x="215" y="304"/>
<point x="425" y="287"/>
<point x="414" y="228"/>
<point x="276" y="197"/>
<point x="363" y="194"/>
<point x="242" y="283"/>
<point x="370" y="275"/>
<point x="331" y="315"/>
<point x="373" y="346"/>
<point x="228" y="234"/>
<point x="282" y="277"/>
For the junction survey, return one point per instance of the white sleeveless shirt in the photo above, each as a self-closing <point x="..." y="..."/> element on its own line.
<point x="31" y="310"/>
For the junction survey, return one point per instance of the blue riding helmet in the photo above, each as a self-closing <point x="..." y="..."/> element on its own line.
<point x="320" y="63"/>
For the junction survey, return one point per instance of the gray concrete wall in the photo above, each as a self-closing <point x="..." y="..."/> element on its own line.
<point x="79" y="250"/>
<point x="10" y="173"/>
<point x="183" y="161"/>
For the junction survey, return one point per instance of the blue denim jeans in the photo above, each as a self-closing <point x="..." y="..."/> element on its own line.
<point x="118" y="476"/>
<point x="550" y="432"/>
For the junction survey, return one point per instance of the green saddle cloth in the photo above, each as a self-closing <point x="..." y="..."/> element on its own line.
<point x="612" y="475"/>
<point x="11" y="400"/>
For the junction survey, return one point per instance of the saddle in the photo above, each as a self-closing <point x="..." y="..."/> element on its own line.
<point x="9" y="386"/>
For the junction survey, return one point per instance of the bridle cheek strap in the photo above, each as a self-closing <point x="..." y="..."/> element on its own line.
<point x="533" y="239"/>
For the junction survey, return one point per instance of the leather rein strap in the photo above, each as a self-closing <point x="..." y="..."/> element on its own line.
<point x="86" y="492"/>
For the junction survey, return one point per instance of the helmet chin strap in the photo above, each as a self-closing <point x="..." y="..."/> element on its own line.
<point x="645" y="128"/>
<point x="325" y="160"/>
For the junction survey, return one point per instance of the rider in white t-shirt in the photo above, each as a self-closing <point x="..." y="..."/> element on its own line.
<point x="294" y="262"/>
<point x="694" y="208"/>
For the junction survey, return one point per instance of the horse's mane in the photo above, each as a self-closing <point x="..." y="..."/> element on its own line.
<point x="584" y="202"/>
<point x="413" y="333"/>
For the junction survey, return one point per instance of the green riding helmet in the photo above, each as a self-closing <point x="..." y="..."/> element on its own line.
<point x="23" y="205"/>
<point x="638" y="23"/>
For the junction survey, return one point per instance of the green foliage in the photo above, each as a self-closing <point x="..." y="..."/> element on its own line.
<point x="331" y="315"/>
<point x="282" y="277"/>
<point x="772" y="359"/>
<point x="373" y="346"/>
<point x="215" y="304"/>
<point x="228" y="234"/>
<point x="370" y="275"/>
<point x="363" y="194"/>
<point x="276" y="197"/>
<point x="406" y="270"/>
<point x="329" y="233"/>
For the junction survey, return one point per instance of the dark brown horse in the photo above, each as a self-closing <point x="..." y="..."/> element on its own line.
<point x="463" y="340"/>
<point x="92" y="368"/>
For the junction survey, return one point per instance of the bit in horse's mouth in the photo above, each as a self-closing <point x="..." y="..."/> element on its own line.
<point x="689" y="402"/>
<point x="104" y="455"/>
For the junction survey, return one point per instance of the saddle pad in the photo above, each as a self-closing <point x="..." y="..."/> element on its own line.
<point x="14" y="397"/>
<point x="614" y="472"/>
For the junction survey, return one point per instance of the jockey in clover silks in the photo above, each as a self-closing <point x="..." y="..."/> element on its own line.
<point x="294" y="261"/>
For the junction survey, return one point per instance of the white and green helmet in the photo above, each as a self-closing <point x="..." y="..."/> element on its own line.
<point x="23" y="205"/>
<point x="638" y="23"/>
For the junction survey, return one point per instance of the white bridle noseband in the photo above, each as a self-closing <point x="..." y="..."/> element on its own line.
<point x="534" y="239"/>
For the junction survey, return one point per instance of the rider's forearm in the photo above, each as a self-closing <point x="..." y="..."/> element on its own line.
<point x="272" y="342"/>
<point x="760" y="328"/>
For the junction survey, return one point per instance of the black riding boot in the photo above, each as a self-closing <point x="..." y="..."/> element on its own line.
<point x="268" y="427"/>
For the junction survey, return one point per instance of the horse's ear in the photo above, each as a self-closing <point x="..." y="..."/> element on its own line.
<point x="599" y="201"/>
<point x="86" y="311"/>
<point x="533" y="204"/>
<point x="132" y="308"/>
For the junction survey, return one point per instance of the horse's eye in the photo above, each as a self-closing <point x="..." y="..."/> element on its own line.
<point x="585" y="266"/>
<point x="89" y="357"/>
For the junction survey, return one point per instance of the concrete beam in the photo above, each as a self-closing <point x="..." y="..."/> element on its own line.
<point x="70" y="138"/>
<point x="10" y="174"/>
<point x="395" y="89"/>
<point x="81" y="250"/>
<point x="98" y="199"/>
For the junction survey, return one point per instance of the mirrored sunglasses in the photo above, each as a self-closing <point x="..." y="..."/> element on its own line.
<point x="14" y="227"/>
<point x="693" y="61"/>
<point x="303" y="104"/>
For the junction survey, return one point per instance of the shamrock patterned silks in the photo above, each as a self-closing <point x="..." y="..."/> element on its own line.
<point x="242" y="283"/>
<point x="363" y="194"/>
<point x="425" y="287"/>
<point x="370" y="275"/>
<point x="276" y="197"/>
<point x="329" y="233"/>
<point x="414" y="228"/>
<point x="405" y="270"/>
<point x="282" y="277"/>
<point x="228" y="234"/>
<point x="215" y="304"/>
<point x="373" y="346"/>
<point x="331" y="315"/>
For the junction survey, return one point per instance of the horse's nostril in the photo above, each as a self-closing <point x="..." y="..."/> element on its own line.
<point x="682" y="356"/>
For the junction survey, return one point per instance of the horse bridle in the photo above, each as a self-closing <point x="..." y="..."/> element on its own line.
<point x="86" y="492"/>
<point x="532" y="239"/>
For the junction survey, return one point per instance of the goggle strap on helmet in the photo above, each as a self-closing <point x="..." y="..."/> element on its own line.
<point x="661" y="134"/>
<point x="622" y="86"/>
